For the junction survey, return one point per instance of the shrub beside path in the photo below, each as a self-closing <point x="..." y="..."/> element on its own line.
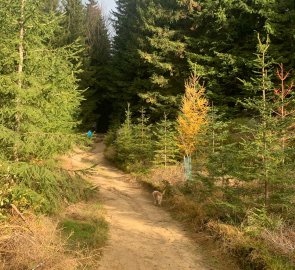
<point x="142" y="236"/>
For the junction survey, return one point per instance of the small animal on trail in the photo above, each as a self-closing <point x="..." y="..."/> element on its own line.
<point x="158" y="197"/>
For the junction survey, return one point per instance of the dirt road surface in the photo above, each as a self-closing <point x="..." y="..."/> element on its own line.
<point x="142" y="236"/>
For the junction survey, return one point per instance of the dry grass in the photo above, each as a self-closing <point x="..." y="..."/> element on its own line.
<point x="231" y="236"/>
<point x="281" y="241"/>
<point x="187" y="210"/>
<point x="34" y="244"/>
<point x="172" y="175"/>
<point x="84" y="211"/>
<point x="183" y="208"/>
<point x="272" y="250"/>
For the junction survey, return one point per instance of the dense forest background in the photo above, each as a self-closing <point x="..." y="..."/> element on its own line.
<point x="158" y="43"/>
<point x="204" y="88"/>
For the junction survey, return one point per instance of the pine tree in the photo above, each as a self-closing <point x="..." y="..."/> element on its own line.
<point x="133" y="144"/>
<point x="124" y="142"/>
<point x="143" y="144"/>
<point x="158" y="42"/>
<point x="217" y="144"/>
<point x="280" y="25"/>
<point x="261" y="152"/>
<point x="166" y="148"/>
<point x="96" y="75"/>
<point x="39" y="95"/>
<point x="163" y="51"/>
<point x="126" y="64"/>
<point x="74" y="21"/>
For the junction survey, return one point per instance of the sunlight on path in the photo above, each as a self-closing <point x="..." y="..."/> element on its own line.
<point x="142" y="236"/>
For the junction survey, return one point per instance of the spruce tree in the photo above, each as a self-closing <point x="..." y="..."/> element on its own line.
<point x="39" y="96"/>
<point x="163" y="50"/>
<point x="74" y="21"/>
<point x="166" y="148"/>
<point x="124" y="142"/>
<point x="143" y="144"/>
<point x="96" y="69"/>
<point x="261" y="155"/>
<point x="127" y="67"/>
<point x="280" y="25"/>
<point x="218" y="147"/>
<point x="159" y="42"/>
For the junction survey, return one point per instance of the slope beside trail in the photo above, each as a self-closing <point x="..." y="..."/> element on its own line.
<point x="142" y="236"/>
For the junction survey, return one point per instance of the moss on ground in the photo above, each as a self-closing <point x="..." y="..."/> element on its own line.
<point x="88" y="233"/>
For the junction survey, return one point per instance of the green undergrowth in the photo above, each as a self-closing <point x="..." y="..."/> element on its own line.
<point x="251" y="252"/>
<point x="40" y="188"/>
<point x="256" y="239"/>
<point x="91" y="233"/>
<point x="84" y="226"/>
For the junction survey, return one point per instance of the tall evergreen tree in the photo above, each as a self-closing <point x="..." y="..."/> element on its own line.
<point x="127" y="65"/>
<point x="37" y="82"/>
<point x="164" y="22"/>
<point x="164" y="40"/>
<point x="51" y="5"/>
<point x="163" y="54"/>
<point x="96" y="76"/>
<point x="39" y="96"/>
<point x="74" y="21"/>
<point x="262" y="148"/>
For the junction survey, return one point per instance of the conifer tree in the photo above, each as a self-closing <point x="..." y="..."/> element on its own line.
<point x="124" y="142"/>
<point x="166" y="148"/>
<point x="96" y="69"/>
<point x="126" y="62"/>
<point x="143" y="144"/>
<point x="284" y="97"/>
<point x="280" y="25"/>
<point x="192" y="120"/>
<point x="166" y="38"/>
<point x="166" y="50"/>
<point x="163" y="52"/>
<point x="261" y="152"/>
<point x="39" y="96"/>
<point x="74" y="21"/>
<point x="133" y="144"/>
<point x="217" y="145"/>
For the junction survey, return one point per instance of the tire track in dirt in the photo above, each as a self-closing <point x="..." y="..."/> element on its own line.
<point x="142" y="236"/>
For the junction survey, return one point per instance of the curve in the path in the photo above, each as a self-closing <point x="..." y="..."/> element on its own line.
<point x="142" y="236"/>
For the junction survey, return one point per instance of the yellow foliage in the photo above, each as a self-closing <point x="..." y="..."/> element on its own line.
<point x="193" y="117"/>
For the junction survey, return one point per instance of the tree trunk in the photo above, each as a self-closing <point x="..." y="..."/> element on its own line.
<point x="264" y="88"/>
<point x="20" y="73"/>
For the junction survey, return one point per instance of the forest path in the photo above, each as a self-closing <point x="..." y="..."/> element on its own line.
<point x="142" y="236"/>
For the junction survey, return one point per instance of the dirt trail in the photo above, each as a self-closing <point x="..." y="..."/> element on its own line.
<point x="142" y="236"/>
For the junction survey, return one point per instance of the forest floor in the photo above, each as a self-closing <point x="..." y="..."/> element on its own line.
<point x="143" y="236"/>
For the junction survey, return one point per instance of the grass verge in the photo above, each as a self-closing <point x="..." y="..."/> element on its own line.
<point x="84" y="226"/>
<point x="35" y="243"/>
<point x="251" y="243"/>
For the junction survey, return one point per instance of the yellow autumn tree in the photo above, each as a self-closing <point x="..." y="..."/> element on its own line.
<point x="193" y="116"/>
